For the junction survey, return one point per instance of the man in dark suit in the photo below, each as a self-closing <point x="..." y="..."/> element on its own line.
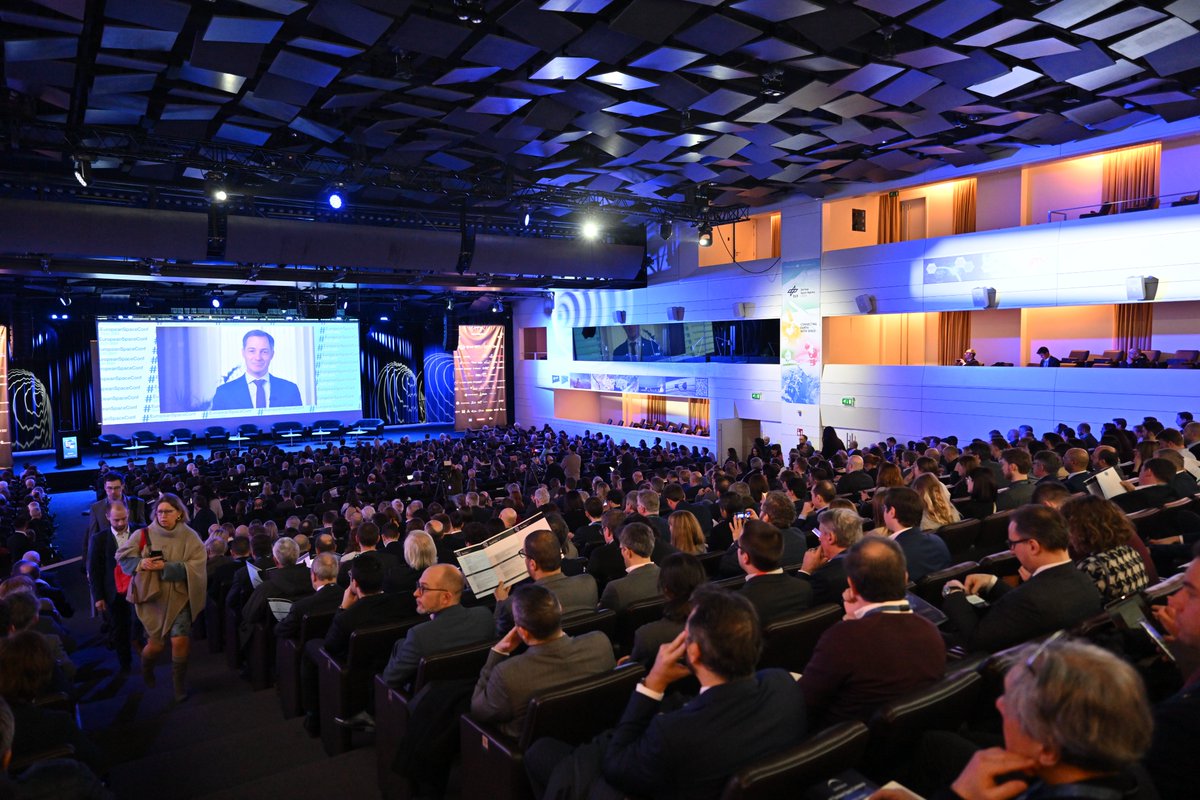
<point x="364" y="603"/>
<point x="244" y="581"/>
<point x="105" y="597"/>
<point x="778" y="510"/>
<point x="1055" y="596"/>
<point x="368" y="542"/>
<point x="641" y="574"/>
<point x="824" y="566"/>
<point x="451" y="625"/>
<point x="647" y="512"/>
<point x="1153" y="489"/>
<point x="1075" y="461"/>
<point x="589" y="536"/>
<point x="1016" y="465"/>
<point x="257" y="388"/>
<point x="739" y="716"/>
<point x="114" y="491"/>
<point x="881" y="651"/>
<point x="287" y="580"/>
<point x="1046" y="465"/>
<point x="855" y="480"/>
<point x="773" y="594"/>
<point x="543" y="563"/>
<point x="923" y="552"/>
<point x="326" y="596"/>
<point x="508" y="681"/>
<point x="1047" y="360"/>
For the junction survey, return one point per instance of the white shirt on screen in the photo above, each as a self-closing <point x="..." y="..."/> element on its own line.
<point x="254" y="390"/>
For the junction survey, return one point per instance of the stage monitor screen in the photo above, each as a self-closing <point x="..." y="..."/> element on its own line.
<point x="742" y="341"/>
<point x="154" y="372"/>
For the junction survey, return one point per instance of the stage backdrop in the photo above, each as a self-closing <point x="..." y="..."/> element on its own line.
<point x="479" y="377"/>
<point x="408" y="377"/>
<point x="49" y="378"/>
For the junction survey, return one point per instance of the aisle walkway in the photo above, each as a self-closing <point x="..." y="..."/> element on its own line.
<point x="225" y="741"/>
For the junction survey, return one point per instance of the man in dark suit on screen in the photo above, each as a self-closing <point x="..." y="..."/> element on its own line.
<point x="257" y="388"/>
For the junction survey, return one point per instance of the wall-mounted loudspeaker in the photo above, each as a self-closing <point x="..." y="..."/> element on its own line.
<point x="675" y="313"/>
<point x="1141" y="287"/>
<point x="984" y="297"/>
<point x="619" y="317"/>
<point x="866" y="303"/>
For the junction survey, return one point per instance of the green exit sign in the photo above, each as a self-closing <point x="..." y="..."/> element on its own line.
<point x="848" y="401"/>
<point x="756" y="395"/>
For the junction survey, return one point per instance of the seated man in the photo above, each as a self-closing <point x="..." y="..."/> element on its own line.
<point x="326" y="596"/>
<point x="1016" y="464"/>
<point x="641" y="574"/>
<point x="881" y="651"/>
<point x="740" y="716"/>
<point x="773" y="594"/>
<point x="507" y="681"/>
<point x="451" y="625"/>
<point x="1055" y="595"/>
<point x="288" y="581"/>
<point x="1154" y="487"/>
<point x="824" y="566"/>
<point x="923" y="552"/>
<point x="543" y="563"/>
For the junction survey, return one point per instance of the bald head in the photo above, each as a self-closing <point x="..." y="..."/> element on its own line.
<point x="854" y="464"/>
<point x="440" y="587"/>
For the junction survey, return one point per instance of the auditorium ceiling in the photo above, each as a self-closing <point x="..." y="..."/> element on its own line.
<point x="560" y="104"/>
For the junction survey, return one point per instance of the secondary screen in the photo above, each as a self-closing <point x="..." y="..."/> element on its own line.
<point x="154" y="371"/>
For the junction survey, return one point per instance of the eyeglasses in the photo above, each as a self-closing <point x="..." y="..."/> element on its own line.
<point x="1031" y="662"/>
<point x="1012" y="543"/>
<point x="521" y="553"/>
<point x="422" y="589"/>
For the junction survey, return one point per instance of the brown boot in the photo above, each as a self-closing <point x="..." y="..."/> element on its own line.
<point x="179" y="679"/>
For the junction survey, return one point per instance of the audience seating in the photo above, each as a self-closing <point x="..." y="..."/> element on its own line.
<point x="1078" y="358"/>
<point x="392" y="709"/>
<point x="493" y="763"/>
<point x="712" y="562"/>
<point x="583" y="622"/>
<point x="789" y="643"/>
<point x="993" y="535"/>
<point x="260" y="654"/>
<point x="288" y="655"/>
<point x="346" y="687"/>
<point x="786" y="774"/>
<point x="929" y="588"/>
<point x="1183" y="359"/>
<point x="633" y="617"/>
<point x="960" y="537"/>
<point x="897" y="727"/>
<point x="1002" y="565"/>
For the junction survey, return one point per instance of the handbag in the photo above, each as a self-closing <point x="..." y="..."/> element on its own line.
<point x="119" y="577"/>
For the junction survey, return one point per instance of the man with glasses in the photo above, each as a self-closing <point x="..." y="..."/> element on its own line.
<point x="543" y="563"/>
<point x="451" y="624"/>
<point x="1054" y="595"/>
<point x="824" y="566"/>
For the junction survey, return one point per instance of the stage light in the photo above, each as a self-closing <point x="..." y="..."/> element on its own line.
<point x="590" y="228"/>
<point x="54" y="316"/>
<point x="65" y="299"/>
<point x="706" y="235"/>
<point x="215" y="183"/>
<point x="384" y="318"/>
<point x="216" y="299"/>
<point x="449" y="303"/>
<point x="498" y="307"/>
<point x="335" y="197"/>
<point x="526" y="216"/>
<point x="83" y="171"/>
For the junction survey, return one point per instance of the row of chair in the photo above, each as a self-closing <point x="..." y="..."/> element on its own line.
<point x="1180" y="359"/>
<point x="285" y="432"/>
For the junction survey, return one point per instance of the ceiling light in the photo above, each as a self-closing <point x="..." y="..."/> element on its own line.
<point x="469" y="11"/>
<point x="83" y="171"/>
<point x="335" y="197"/>
<point x="449" y="303"/>
<point x="65" y="299"/>
<point x="525" y="217"/>
<point x="706" y="235"/>
<point x="590" y="228"/>
<point x="772" y="84"/>
<point x="215" y="183"/>
<point x="216" y="299"/>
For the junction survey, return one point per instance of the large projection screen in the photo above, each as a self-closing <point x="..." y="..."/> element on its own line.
<point x="161" y="374"/>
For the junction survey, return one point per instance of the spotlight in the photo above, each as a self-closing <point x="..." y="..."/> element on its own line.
<point x="498" y="307"/>
<point x="216" y="187"/>
<point x="216" y="299"/>
<point x="65" y="299"/>
<point x="665" y="229"/>
<point x="526" y="216"/>
<point x="590" y="228"/>
<point x="83" y="171"/>
<point x="772" y="84"/>
<point x="706" y="235"/>
<point x="449" y="303"/>
<point x="335" y="198"/>
<point x="469" y="11"/>
<point x="54" y="316"/>
<point x="384" y="318"/>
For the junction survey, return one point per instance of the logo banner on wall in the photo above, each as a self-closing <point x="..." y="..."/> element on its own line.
<point x="800" y="346"/>
<point x="479" y="387"/>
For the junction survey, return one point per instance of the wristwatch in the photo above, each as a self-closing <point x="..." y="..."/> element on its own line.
<point x="950" y="589"/>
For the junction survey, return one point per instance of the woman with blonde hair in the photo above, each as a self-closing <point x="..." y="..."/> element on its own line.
<point x="686" y="534"/>
<point x="939" y="510"/>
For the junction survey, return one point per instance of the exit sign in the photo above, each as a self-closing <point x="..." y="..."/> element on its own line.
<point x="848" y="401"/>
<point x="756" y="395"/>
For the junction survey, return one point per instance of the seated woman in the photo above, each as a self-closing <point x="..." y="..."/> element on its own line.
<point x="678" y="577"/>
<point x="981" y="494"/>
<point x="686" y="533"/>
<point x="1101" y="542"/>
<point x="1076" y="721"/>
<point x="935" y="496"/>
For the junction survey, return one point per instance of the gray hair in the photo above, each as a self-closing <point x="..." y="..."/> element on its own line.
<point x="286" y="551"/>
<point x="1081" y="700"/>
<point x="844" y="525"/>
<point x="419" y="550"/>
<point x="325" y="567"/>
<point x="648" y="499"/>
<point x="541" y="496"/>
<point x="215" y="546"/>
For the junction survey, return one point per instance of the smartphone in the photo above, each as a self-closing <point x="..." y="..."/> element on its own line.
<point x="742" y="515"/>
<point x="1157" y="638"/>
<point x="156" y="554"/>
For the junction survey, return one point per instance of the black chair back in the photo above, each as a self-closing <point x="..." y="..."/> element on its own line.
<point x="789" y="643"/>
<point x="634" y="617"/>
<point x="833" y="750"/>
<point x="930" y="587"/>
<point x="897" y="727"/>
<point x="577" y="711"/>
<point x="460" y="663"/>
<point x="960" y="537"/>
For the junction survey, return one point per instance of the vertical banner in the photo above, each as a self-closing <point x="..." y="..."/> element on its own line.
<point x="800" y="347"/>
<point x="479" y="391"/>
<point x="6" y="442"/>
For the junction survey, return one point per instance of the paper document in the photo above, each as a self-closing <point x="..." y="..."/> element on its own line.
<point x="485" y="564"/>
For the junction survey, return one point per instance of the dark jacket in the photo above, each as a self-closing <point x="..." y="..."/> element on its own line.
<point x="374" y="609"/>
<point x="777" y="596"/>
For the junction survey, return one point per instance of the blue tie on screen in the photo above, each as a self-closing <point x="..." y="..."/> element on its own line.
<point x="260" y="393"/>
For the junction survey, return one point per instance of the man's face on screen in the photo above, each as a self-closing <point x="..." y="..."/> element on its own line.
<point x="257" y="353"/>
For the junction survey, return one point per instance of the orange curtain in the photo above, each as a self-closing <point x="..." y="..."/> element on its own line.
<point x="889" y="217"/>
<point x="698" y="413"/>
<point x="954" y="335"/>
<point x="964" y="206"/>
<point x="1131" y="177"/>
<point x="656" y="408"/>
<point x="633" y="408"/>
<point x="1132" y="325"/>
